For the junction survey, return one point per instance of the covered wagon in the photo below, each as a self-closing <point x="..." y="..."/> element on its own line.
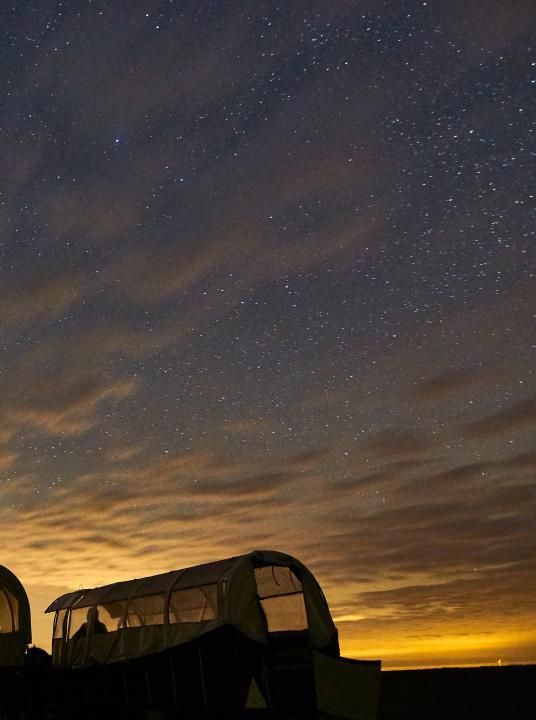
<point x="15" y="621"/>
<point x="252" y="631"/>
<point x="15" y="635"/>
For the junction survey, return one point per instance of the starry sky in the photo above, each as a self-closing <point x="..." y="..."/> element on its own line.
<point x="267" y="281"/>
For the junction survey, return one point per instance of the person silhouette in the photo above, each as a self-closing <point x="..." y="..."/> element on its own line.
<point x="92" y="626"/>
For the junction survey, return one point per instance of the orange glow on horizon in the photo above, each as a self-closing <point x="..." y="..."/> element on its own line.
<point x="478" y="648"/>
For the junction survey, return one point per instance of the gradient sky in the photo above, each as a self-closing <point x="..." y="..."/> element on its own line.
<point x="267" y="281"/>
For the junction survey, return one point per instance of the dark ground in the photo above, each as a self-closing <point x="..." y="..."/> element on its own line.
<point x="482" y="693"/>
<point x="485" y="693"/>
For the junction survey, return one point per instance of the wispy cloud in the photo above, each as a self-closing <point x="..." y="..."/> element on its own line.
<point x="509" y="419"/>
<point x="39" y="296"/>
<point x="64" y="402"/>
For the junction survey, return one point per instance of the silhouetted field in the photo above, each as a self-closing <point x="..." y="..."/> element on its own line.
<point x="482" y="693"/>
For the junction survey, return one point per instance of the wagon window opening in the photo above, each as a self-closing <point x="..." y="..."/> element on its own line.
<point x="193" y="605"/>
<point x="78" y="618"/>
<point x="6" y="613"/>
<point x="107" y="618"/>
<point x="147" y="610"/>
<point x="13" y="601"/>
<point x="58" y="624"/>
<point x="281" y="597"/>
<point x="111" y="615"/>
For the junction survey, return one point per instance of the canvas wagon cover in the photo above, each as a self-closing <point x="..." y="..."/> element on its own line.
<point x="231" y="583"/>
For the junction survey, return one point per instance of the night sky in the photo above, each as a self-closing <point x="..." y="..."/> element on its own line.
<point x="267" y="281"/>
